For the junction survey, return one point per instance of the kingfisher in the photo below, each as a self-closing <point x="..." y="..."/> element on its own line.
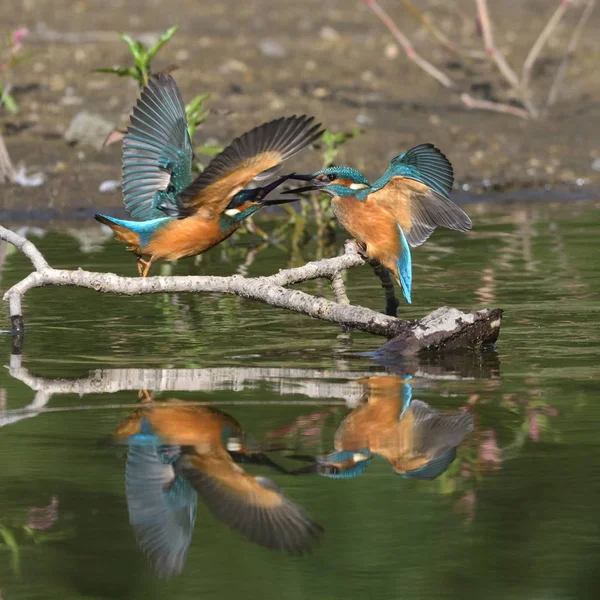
<point x="397" y="212"/>
<point x="416" y="440"/>
<point x="175" y="215"/>
<point x="178" y="452"/>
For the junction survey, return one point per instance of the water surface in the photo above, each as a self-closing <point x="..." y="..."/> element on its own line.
<point x="515" y="515"/>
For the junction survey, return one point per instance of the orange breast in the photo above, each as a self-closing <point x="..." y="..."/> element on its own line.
<point x="186" y="237"/>
<point x="373" y="226"/>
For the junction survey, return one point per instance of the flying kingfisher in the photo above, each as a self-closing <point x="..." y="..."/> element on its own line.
<point x="175" y="215"/>
<point x="398" y="211"/>
<point x="178" y="452"/>
<point x="416" y="440"/>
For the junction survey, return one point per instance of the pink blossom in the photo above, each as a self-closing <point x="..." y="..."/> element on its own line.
<point x="489" y="452"/>
<point x="534" y="426"/>
<point x="17" y="36"/>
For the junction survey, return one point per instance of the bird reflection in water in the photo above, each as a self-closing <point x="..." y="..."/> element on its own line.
<point x="415" y="439"/>
<point x="178" y="452"/>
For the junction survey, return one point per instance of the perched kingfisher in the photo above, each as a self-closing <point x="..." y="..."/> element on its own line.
<point x="398" y="211"/>
<point x="409" y="434"/>
<point x="179" y="452"/>
<point x="175" y="216"/>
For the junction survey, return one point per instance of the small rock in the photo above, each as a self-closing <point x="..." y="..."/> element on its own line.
<point x="272" y="49"/>
<point x="110" y="185"/>
<point x="232" y="67"/>
<point x="363" y="119"/>
<point x="33" y="180"/>
<point x="320" y="92"/>
<point x="391" y="51"/>
<point x="596" y="165"/>
<point x="182" y="55"/>
<point x="88" y="129"/>
<point x="329" y="34"/>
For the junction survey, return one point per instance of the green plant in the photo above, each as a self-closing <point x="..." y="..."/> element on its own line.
<point x="10" y="56"/>
<point x="195" y="110"/>
<point x="142" y="56"/>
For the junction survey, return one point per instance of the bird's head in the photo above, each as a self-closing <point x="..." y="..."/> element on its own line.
<point x="336" y="181"/>
<point x="344" y="464"/>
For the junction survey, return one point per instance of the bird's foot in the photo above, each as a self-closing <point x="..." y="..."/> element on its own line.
<point x="144" y="396"/>
<point x="391" y="307"/>
<point x="362" y="250"/>
<point x="143" y="266"/>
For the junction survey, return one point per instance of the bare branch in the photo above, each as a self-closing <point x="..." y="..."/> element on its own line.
<point x="442" y="78"/>
<point x="471" y="102"/>
<point x="573" y="42"/>
<point x="541" y="42"/>
<point x="7" y="170"/>
<point x="435" y="32"/>
<point x="490" y="48"/>
<point x="269" y="290"/>
<point x="408" y="47"/>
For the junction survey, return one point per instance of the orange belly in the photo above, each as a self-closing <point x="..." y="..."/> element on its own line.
<point x="185" y="237"/>
<point x="372" y="226"/>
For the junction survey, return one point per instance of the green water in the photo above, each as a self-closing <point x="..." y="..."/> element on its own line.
<point x="515" y="516"/>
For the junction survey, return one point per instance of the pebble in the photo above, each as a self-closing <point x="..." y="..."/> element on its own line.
<point x="88" y="129"/>
<point x="272" y="49"/>
<point x="110" y="185"/>
<point x="329" y="34"/>
<point x="391" y="51"/>
<point x="596" y="165"/>
<point x="363" y="119"/>
<point x="233" y="66"/>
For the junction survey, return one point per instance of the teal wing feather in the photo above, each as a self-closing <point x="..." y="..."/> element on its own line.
<point x="428" y="208"/>
<point x="157" y="150"/>
<point x="426" y="164"/>
<point x="162" y="505"/>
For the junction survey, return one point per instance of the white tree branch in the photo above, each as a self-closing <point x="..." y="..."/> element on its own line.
<point x="269" y="290"/>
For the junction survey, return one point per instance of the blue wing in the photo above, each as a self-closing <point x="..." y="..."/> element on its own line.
<point x="434" y="468"/>
<point x="162" y="505"/>
<point x="426" y="164"/>
<point x="415" y="189"/>
<point x="157" y="150"/>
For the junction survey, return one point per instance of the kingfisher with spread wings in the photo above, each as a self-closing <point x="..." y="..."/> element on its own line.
<point x="398" y="211"/>
<point x="176" y="216"/>
<point x="178" y="453"/>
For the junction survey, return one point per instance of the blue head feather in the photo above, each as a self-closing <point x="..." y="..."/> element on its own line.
<point x="344" y="172"/>
<point x="336" y="189"/>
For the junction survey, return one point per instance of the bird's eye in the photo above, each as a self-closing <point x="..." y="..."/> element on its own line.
<point x="331" y="176"/>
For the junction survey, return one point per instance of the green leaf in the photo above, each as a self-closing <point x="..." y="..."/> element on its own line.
<point x="8" y="101"/>
<point x="9" y="539"/>
<point x="162" y="40"/>
<point x="196" y="113"/>
<point x="120" y="71"/>
<point x="137" y="49"/>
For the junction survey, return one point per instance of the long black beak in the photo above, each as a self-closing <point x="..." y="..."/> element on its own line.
<point x="276" y="201"/>
<point x="316" y="184"/>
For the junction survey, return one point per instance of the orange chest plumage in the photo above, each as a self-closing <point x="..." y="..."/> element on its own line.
<point x="371" y="225"/>
<point x="186" y="237"/>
